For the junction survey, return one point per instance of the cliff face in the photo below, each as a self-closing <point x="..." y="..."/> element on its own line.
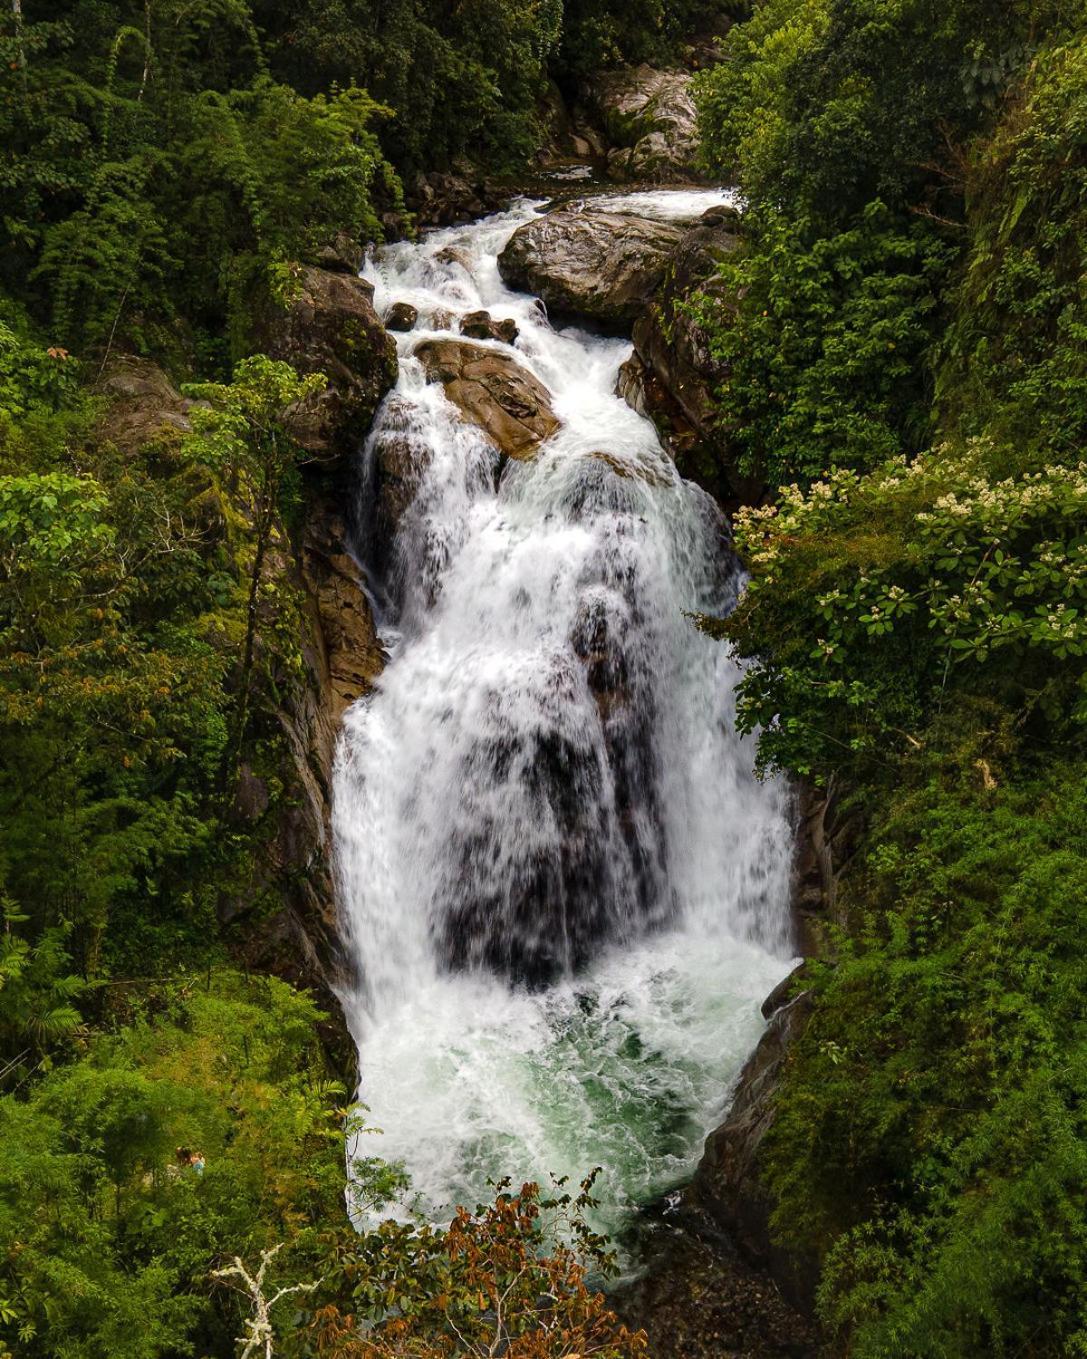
<point x="286" y="914"/>
<point x="283" y="920"/>
<point x="317" y="645"/>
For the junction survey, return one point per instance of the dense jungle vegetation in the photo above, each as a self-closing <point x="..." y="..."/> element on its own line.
<point x="908" y="355"/>
<point x="163" y="164"/>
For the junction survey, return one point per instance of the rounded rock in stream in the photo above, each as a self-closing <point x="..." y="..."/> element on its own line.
<point x="401" y="316"/>
<point x="481" y="325"/>
<point x="604" y="265"/>
<point x="494" y="391"/>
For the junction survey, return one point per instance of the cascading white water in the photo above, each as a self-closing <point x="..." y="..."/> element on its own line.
<point x="564" y="888"/>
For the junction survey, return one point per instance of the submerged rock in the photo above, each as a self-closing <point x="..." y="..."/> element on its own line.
<point x="604" y="265"/>
<point x="633" y="470"/>
<point x="401" y="316"/>
<point x="493" y="391"/>
<point x="480" y="325"/>
<point x="330" y="327"/>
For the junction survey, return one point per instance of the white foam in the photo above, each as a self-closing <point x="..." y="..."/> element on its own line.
<point x="446" y="790"/>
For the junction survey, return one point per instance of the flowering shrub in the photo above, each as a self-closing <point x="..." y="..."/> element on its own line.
<point x="889" y="589"/>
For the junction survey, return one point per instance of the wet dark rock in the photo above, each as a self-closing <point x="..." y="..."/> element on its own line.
<point x="604" y="265"/>
<point x="480" y="325"/>
<point x="394" y="471"/>
<point x="543" y="913"/>
<point x="330" y="327"/>
<point x="672" y="375"/>
<point x="700" y="1299"/>
<point x="727" y="1186"/>
<point x="445" y="198"/>
<point x="828" y="830"/>
<point x="569" y="137"/>
<point x="251" y="797"/>
<point x="401" y="316"/>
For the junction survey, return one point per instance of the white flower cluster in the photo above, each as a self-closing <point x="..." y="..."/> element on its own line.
<point x="990" y="563"/>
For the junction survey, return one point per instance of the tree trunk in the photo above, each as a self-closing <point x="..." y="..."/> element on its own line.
<point x="17" y="20"/>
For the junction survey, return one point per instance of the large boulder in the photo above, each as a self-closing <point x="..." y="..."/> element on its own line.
<point x="493" y="391"/>
<point x="604" y="265"/>
<point x="650" y="120"/>
<point x="329" y="326"/>
<point x="145" y="407"/>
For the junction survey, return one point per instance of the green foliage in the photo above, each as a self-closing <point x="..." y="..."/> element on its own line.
<point x="37" y="991"/>
<point x="601" y="33"/>
<point x="155" y="171"/>
<point x="462" y="79"/>
<point x="137" y="630"/>
<point x="33" y="379"/>
<point x="106" y="1237"/>
<point x="914" y="635"/>
<point x="931" y="1136"/>
<point x="823" y="106"/>
<point x="1015" y="356"/>
<point x="239" y="433"/>
<point x="824" y="341"/>
<point x="876" y="598"/>
<point x="160" y="162"/>
<point x="848" y="125"/>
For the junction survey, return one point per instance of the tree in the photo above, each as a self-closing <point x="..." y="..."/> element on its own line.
<point x="510" y="1279"/>
<point x="242" y="435"/>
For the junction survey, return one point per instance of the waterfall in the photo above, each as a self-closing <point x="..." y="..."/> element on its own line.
<point x="564" y="887"/>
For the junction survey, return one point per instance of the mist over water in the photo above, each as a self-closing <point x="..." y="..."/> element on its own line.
<point x="565" y="890"/>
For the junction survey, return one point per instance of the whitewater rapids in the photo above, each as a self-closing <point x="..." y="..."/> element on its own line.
<point x="564" y="888"/>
